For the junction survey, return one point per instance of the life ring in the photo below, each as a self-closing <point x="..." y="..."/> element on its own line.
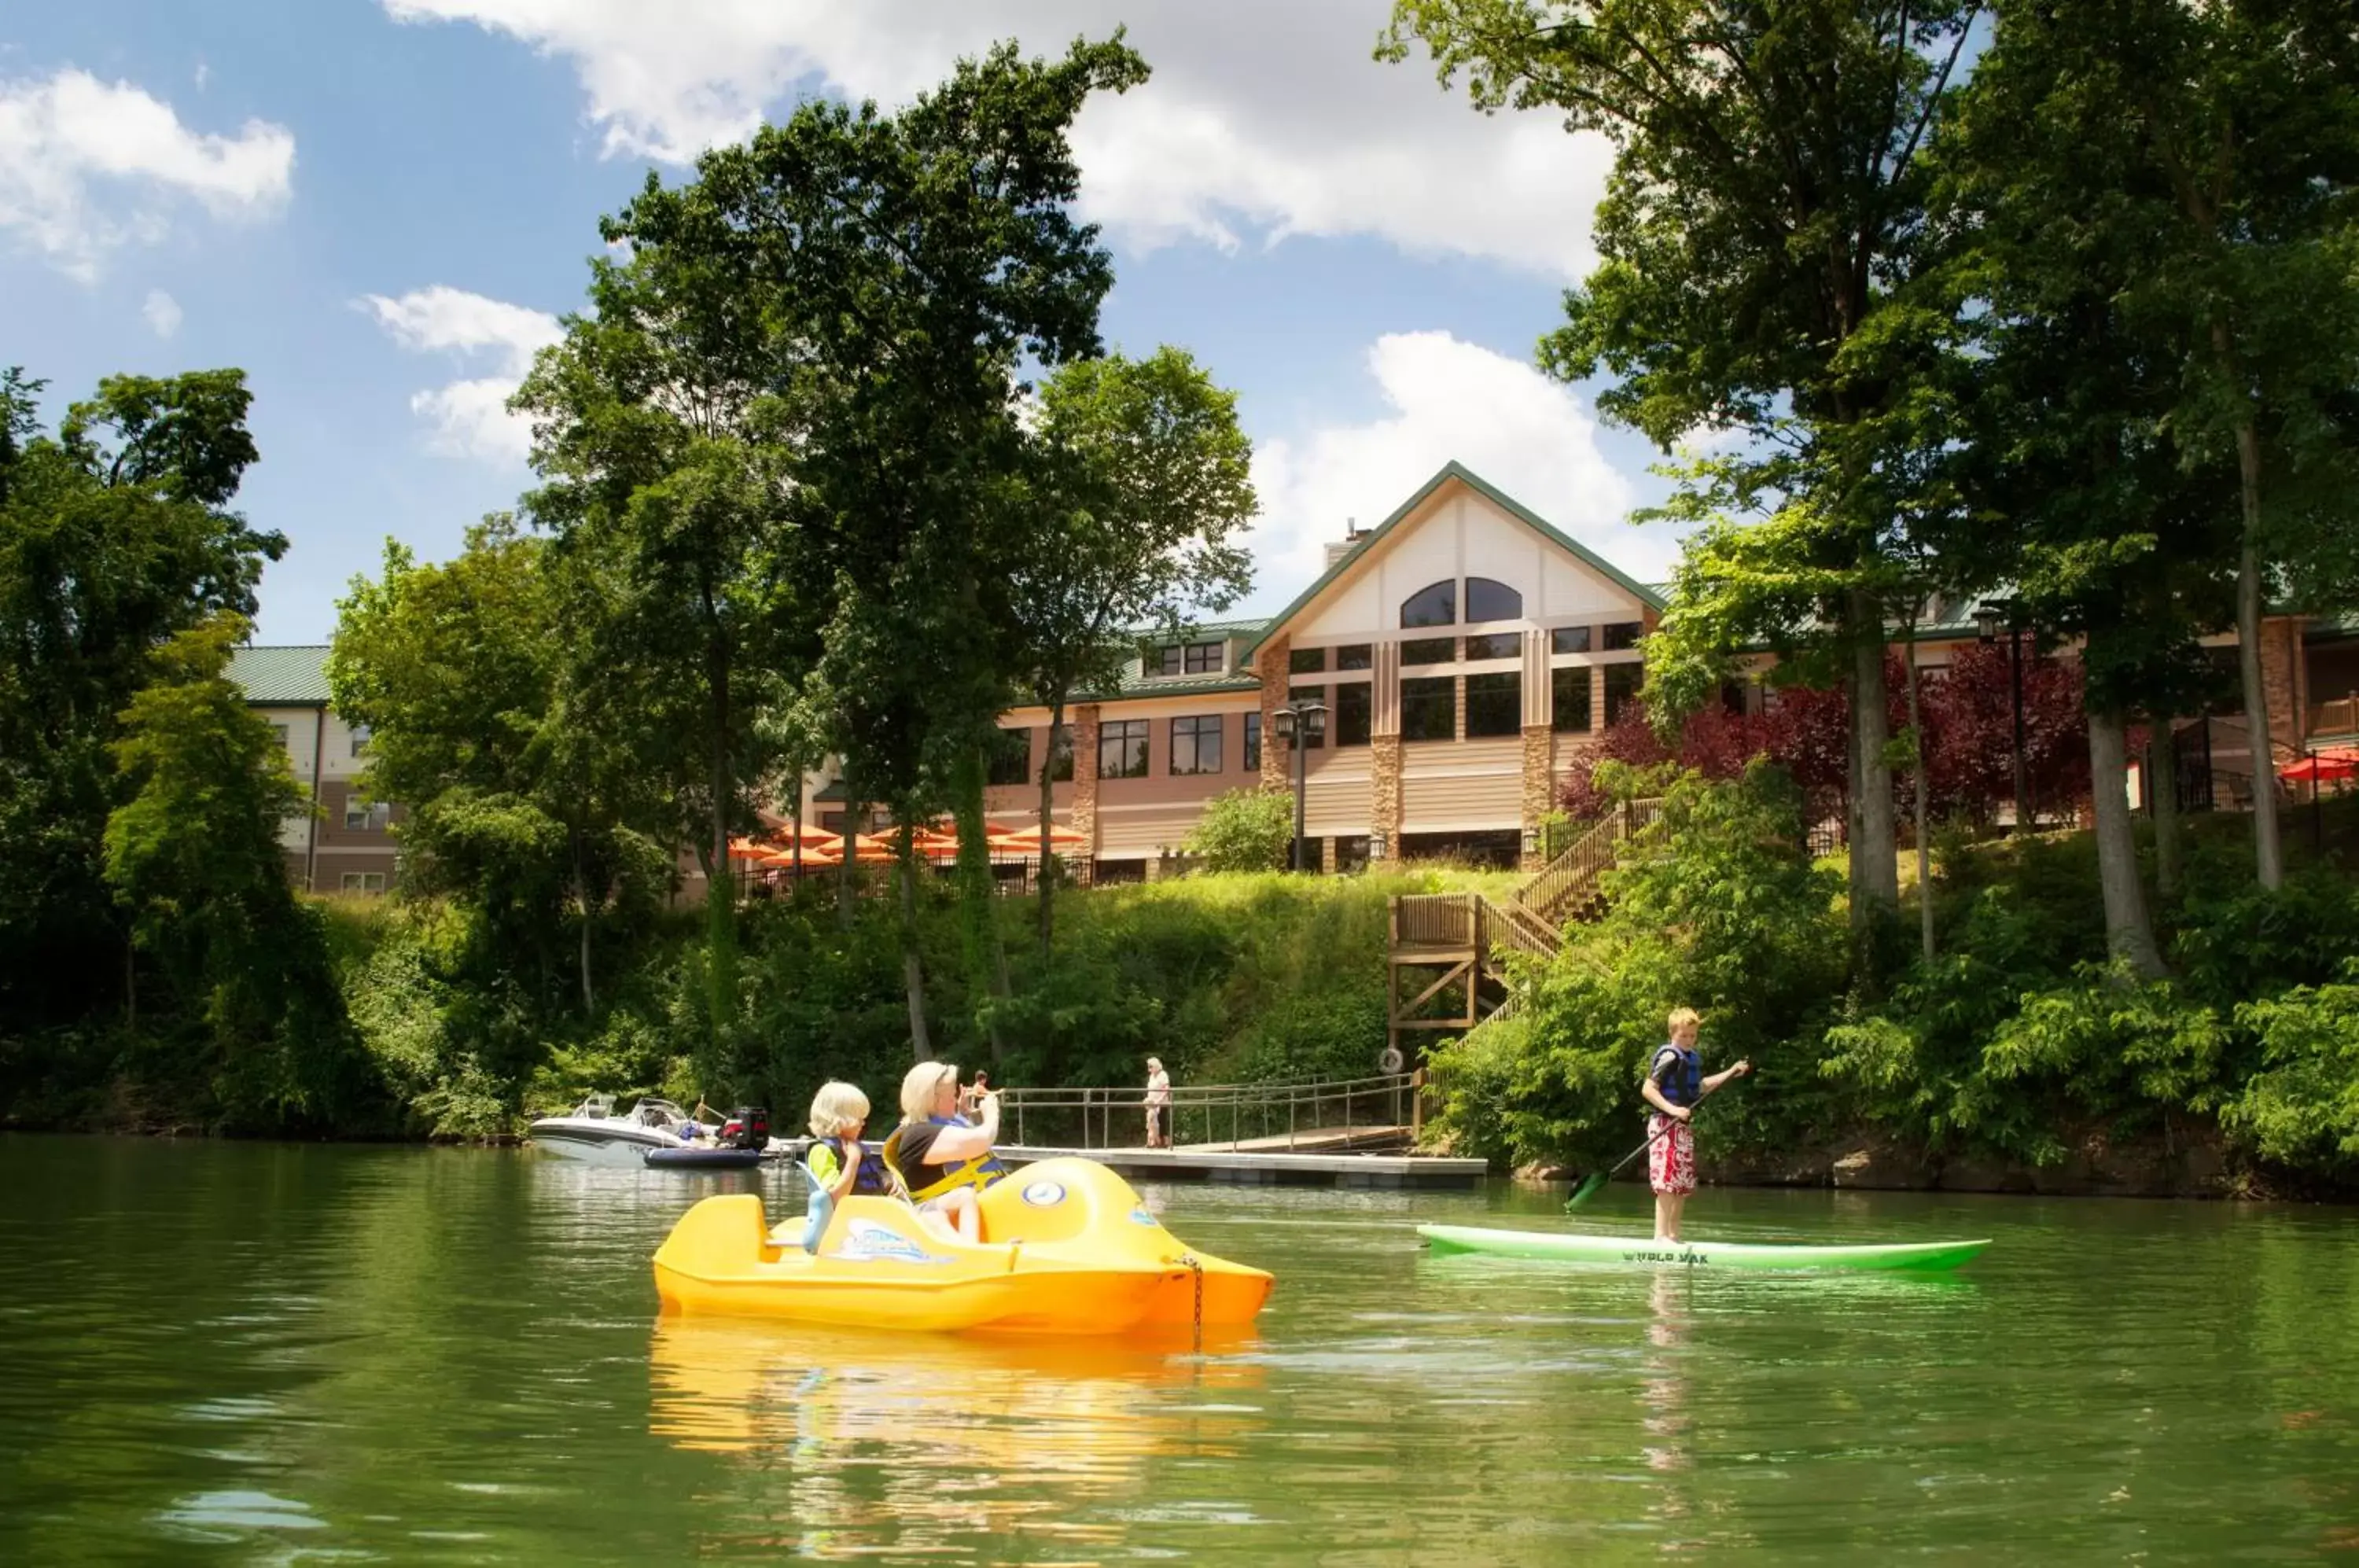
<point x="1391" y="1061"/>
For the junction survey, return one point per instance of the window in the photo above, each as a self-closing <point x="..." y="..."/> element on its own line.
<point x="1490" y="601"/>
<point x="281" y="731"/>
<point x="1355" y="712"/>
<point x="1196" y="744"/>
<point x="1253" y="743"/>
<point x="832" y="821"/>
<point x="1569" y="639"/>
<point x="1494" y="704"/>
<point x="1194" y="658"/>
<point x="1307" y="660"/>
<point x="1430" y="708"/>
<point x="1010" y="760"/>
<point x="364" y="882"/>
<point x="1352" y="852"/>
<point x="1122" y="749"/>
<point x="1430" y="650"/>
<point x="1317" y="737"/>
<point x="1499" y="645"/>
<point x="1622" y="635"/>
<point x="1061" y="755"/>
<point x="1621" y="685"/>
<point x="360" y="739"/>
<point x="1355" y="656"/>
<point x="1732" y="697"/>
<point x="367" y="816"/>
<point x="1434" y="607"/>
<point x="1571" y="689"/>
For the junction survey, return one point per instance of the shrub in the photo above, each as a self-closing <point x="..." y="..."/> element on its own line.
<point x="1245" y="830"/>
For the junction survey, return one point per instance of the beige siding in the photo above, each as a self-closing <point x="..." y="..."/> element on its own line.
<point x="1471" y="784"/>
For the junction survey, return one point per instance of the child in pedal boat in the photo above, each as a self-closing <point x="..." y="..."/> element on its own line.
<point x="838" y="1163"/>
<point x="1675" y="1084"/>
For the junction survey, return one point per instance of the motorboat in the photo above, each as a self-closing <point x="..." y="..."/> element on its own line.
<point x="594" y="1130"/>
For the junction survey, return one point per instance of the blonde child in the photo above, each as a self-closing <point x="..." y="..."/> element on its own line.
<point x="836" y="1161"/>
<point x="1675" y="1086"/>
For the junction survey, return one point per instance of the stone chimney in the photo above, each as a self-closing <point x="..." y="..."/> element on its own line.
<point x="1338" y="549"/>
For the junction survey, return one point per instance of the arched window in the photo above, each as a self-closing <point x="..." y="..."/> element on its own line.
<point x="1490" y="601"/>
<point x="1434" y="607"/>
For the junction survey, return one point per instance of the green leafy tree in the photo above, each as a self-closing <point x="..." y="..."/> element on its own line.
<point x="1758" y="230"/>
<point x="1142" y="484"/>
<point x="1245" y="830"/>
<point x="115" y="534"/>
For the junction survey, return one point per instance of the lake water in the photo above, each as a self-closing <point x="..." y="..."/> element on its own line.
<point x="225" y="1352"/>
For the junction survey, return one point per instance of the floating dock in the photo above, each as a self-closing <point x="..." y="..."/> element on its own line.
<point x="1270" y="1167"/>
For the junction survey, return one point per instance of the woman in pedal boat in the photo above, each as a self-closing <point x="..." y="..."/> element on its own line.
<point x="1675" y="1086"/>
<point x="941" y="1158"/>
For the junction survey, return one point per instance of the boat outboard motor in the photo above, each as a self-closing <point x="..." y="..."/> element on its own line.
<point x="748" y="1127"/>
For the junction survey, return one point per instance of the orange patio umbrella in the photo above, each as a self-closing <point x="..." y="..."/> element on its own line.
<point x="816" y="856"/>
<point x="2322" y="766"/>
<point x="1026" y="840"/>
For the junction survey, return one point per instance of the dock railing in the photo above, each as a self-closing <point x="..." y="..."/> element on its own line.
<point x="1325" y="1115"/>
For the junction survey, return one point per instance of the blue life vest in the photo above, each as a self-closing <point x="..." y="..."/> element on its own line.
<point x="1682" y="1080"/>
<point x="978" y="1171"/>
<point x="871" y="1180"/>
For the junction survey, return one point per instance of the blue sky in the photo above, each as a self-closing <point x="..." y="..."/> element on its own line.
<point x="377" y="207"/>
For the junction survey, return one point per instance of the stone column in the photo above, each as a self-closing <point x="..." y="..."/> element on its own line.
<point x="1085" y="789"/>
<point x="2282" y="682"/>
<point x="1539" y="788"/>
<point x="1326" y="855"/>
<point x="1385" y="791"/>
<point x="1277" y="757"/>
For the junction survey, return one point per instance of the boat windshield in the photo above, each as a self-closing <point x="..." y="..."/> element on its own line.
<point x="657" y="1113"/>
<point x="596" y="1106"/>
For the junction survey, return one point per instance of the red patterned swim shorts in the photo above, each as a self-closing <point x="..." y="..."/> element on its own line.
<point x="1670" y="1161"/>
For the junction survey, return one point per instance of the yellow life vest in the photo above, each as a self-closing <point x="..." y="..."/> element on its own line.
<point x="977" y="1171"/>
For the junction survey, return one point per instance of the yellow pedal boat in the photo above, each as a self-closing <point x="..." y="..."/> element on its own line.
<point x="1066" y="1248"/>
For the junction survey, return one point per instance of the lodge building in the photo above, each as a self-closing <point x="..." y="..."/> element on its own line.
<point x="1466" y="652"/>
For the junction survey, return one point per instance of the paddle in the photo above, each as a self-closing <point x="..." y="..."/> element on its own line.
<point x="1594" y="1182"/>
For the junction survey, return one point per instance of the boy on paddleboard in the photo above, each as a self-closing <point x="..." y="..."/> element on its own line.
<point x="1675" y="1086"/>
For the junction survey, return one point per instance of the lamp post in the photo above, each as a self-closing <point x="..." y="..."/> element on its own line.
<point x="1987" y="617"/>
<point x="1297" y="722"/>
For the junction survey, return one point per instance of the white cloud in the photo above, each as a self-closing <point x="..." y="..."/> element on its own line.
<point x="87" y="167"/>
<point x="469" y="416"/>
<point x="1261" y="122"/>
<point x="1448" y="400"/>
<point x="162" y="312"/>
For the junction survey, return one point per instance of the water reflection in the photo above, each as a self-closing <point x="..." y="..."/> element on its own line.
<point x="907" y="1442"/>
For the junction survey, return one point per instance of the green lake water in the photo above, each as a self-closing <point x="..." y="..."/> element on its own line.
<point x="231" y="1353"/>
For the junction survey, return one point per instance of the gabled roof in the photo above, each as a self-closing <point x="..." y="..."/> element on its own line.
<point x="1489" y="491"/>
<point x="286" y="676"/>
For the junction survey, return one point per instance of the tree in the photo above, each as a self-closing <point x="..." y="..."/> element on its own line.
<point x="1245" y="830"/>
<point x="116" y="535"/>
<point x="1142" y="483"/>
<point x="526" y="814"/>
<point x="193" y="853"/>
<point x="1759" y="227"/>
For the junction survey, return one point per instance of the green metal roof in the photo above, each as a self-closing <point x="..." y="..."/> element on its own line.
<point x="283" y="676"/>
<point x="1500" y="499"/>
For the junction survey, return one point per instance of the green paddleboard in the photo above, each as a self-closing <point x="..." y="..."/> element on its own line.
<point x="1644" y="1251"/>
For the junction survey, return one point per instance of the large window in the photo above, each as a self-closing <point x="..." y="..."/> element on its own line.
<point x="1430" y="650"/>
<point x="364" y="882"/>
<point x="1307" y="660"/>
<point x="1430" y="708"/>
<point x="1623" y="635"/>
<point x="371" y="816"/>
<point x="1010" y="759"/>
<point x="1487" y="600"/>
<point x="1194" y="658"/>
<point x="1316" y="738"/>
<point x="1496" y="645"/>
<point x="1621" y="684"/>
<point x="1061" y="755"/>
<point x="1196" y="744"/>
<point x="1494" y="704"/>
<point x="1569" y="639"/>
<point x="1355" y="656"/>
<point x="1122" y="749"/>
<point x="1434" y="607"/>
<point x="360" y="740"/>
<point x="1571" y="689"/>
<point x="1355" y="712"/>
<point x="1253" y="743"/>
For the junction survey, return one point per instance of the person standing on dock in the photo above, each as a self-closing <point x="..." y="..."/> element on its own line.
<point x="1158" y="1104"/>
<point x="1675" y="1086"/>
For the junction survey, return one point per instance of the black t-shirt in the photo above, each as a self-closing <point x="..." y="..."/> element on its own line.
<point x="909" y="1145"/>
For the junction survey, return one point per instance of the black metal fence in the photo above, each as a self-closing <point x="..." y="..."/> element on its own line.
<point x="1220" y="1116"/>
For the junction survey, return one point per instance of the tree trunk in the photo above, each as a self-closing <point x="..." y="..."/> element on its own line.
<point x="1874" y="851"/>
<point x="720" y="889"/>
<point x="2268" y="853"/>
<point x="582" y="895"/>
<point x="2129" y="932"/>
<point x="986" y="950"/>
<point x="2162" y="786"/>
<point x="1047" y="821"/>
<point x="913" y="965"/>
<point x="1924" y="851"/>
<point x="855" y="820"/>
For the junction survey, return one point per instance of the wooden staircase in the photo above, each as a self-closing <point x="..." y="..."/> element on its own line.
<point x="1443" y="955"/>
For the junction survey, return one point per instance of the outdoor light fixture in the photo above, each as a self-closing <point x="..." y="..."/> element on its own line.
<point x="1307" y="719"/>
<point x="1532" y="840"/>
<point x="1375" y="846"/>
